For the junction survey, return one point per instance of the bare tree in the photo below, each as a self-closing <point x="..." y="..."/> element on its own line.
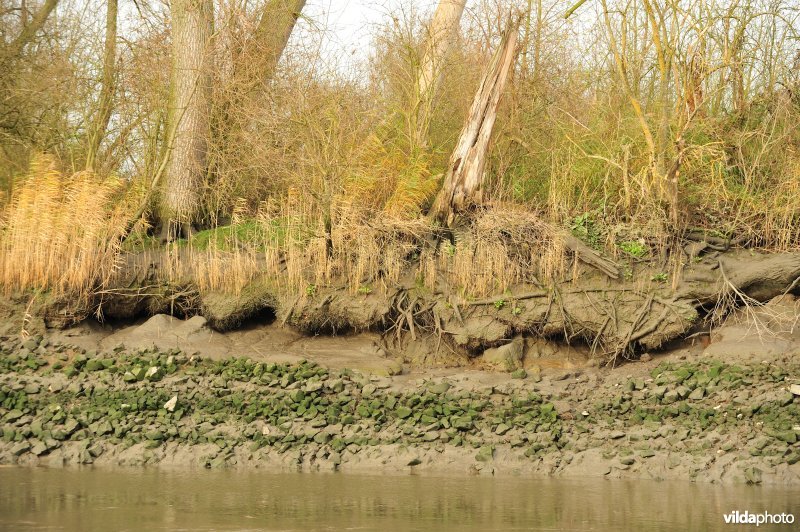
<point x="30" y="29"/>
<point x="107" y="90"/>
<point x="442" y="33"/>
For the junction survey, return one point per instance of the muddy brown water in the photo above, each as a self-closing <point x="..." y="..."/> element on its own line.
<point x="150" y="499"/>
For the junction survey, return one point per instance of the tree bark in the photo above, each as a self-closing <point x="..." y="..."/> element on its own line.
<point x="272" y="34"/>
<point x="442" y="33"/>
<point x="189" y="114"/>
<point x="464" y="177"/>
<point x="108" y="88"/>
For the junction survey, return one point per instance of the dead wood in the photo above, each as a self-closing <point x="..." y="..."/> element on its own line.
<point x="464" y="176"/>
<point x="591" y="257"/>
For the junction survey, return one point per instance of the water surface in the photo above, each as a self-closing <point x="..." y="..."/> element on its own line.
<point x="151" y="499"/>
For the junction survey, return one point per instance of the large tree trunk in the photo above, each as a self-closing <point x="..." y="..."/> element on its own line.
<point x="272" y="34"/>
<point x="254" y="64"/>
<point x="463" y="180"/>
<point x="442" y="33"/>
<point x="189" y="114"/>
<point x="107" y="89"/>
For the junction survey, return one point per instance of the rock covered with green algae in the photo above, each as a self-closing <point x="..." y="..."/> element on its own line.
<point x="146" y="406"/>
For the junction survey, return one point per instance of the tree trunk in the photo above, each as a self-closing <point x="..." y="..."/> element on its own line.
<point x="441" y="35"/>
<point x="189" y="114"/>
<point x="464" y="177"/>
<point x="107" y="89"/>
<point x="30" y="29"/>
<point x="272" y="34"/>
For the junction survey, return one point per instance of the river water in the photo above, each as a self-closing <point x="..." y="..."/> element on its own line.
<point x="150" y="499"/>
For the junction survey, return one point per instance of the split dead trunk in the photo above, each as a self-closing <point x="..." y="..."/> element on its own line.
<point x="463" y="180"/>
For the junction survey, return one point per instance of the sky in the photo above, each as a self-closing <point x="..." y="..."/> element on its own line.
<point x="349" y="25"/>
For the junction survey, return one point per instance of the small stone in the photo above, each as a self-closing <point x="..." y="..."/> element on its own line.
<point x="94" y="365"/>
<point x="617" y="434"/>
<point x="368" y="390"/>
<point x="170" y="405"/>
<point x="139" y="372"/>
<point x="670" y="397"/>
<point x="322" y="438"/>
<point x="440" y="388"/>
<point x="485" y="454"/>
<point x="20" y="448"/>
<point x="697" y="394"/>
<point x="219" y="462"/>
<point x="507" y="357"/>
<point x="95" y="450"/>
<point x="795" y="389"/>
<point x="31" y="388"/>
<point x="519" y="374"/>
<point x="501" y="429"/>
<point x="462" y="423"/>
<point x="313" y="386"/>
<point x="30" y="344"/>
<point x="431" y="436"/>
<point x="403" y="412"/>
<point x="627" y="460"/>
<point x="13" y="415"/>
<point x="39" y="448"/>
<point x="71" y="425"/>
<point x="394" y="367"/>
<point x="101" y="428"/>
<point x="154" y="435"/>
<point x="752" y="475"/>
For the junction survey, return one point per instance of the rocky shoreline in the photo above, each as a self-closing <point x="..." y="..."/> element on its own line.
<point x="694" y="419"/>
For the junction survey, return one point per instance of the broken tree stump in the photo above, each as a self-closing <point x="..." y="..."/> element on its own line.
<point x="464" y="176"/>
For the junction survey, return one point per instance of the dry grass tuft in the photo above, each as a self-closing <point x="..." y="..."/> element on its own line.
<point x="503" y="247"/>
<point x="60" y="232"/>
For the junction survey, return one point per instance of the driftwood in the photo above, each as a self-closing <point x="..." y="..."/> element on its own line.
<point x="591" y="257"/>
<point x="464" y="176"/>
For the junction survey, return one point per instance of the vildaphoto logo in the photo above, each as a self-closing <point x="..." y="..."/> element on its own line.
<point x="764" y="518"/>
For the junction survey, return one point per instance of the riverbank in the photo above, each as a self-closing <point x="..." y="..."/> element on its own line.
<point x="694" y="414"/>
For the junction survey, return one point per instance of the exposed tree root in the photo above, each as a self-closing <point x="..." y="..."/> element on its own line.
<point x="615" y="318"/>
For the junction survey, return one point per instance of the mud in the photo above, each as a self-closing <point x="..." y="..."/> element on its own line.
<point x="719" y="410"/>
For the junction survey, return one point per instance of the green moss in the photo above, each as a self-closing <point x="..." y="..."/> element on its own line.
<point x="231" y="236"/>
